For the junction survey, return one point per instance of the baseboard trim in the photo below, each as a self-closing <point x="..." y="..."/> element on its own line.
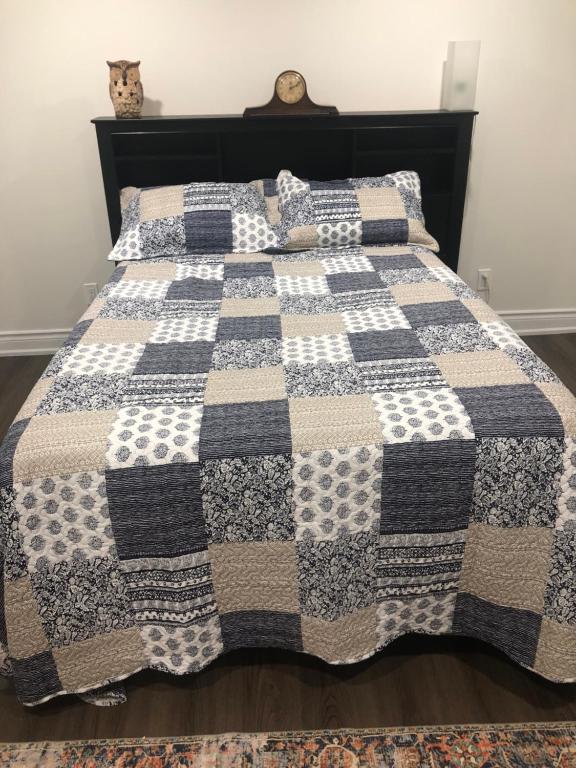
<point x="17" y="343"/>
<point x="532" y="322"/>
<point x="526" y="322"/>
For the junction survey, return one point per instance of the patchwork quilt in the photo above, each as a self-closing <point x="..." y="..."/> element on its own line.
<point x="317" y="450"/>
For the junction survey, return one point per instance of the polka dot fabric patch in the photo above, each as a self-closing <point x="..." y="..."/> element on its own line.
<point x="195" y="328"/>
<point x="316" y="349"/>
<point x="102" y="358"/>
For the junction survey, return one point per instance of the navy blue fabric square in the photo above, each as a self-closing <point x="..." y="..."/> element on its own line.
<point x="328" y="185"/>
<point x="514" y="630"/>
<point x="381" y="263"/>
<point x="386" y="345"/>
<point x="257" y="327"/>
<point x="516" y="410"/>
<point x="438" y="313"/>
<point x="36" y="677"/>
<point x="384" y="231"/>
<point x="427" y="487"/>
<point x="342" y="282"/>
<point x="175" y="357"/>
<point x="253" y="269"/>
<point x="8" y="449"/>
<point x="77" y="332"/>
<point x="208" y="231"/>
<point x="261" y="629"/>
<point x="245" y="429"/>
<point x="195" y="289"/>
<point x="156" y="511"/>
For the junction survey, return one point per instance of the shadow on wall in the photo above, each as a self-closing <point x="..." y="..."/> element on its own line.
<point x="151" y="107"/>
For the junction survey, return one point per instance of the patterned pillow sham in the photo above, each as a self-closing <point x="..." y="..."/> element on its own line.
<point x="382" y="210"/>
<point x="202" y="217"/>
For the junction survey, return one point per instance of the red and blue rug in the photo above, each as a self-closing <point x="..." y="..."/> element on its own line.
<point x="541" y="745"/>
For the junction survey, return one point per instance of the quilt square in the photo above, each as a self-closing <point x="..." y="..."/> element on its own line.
<point x="502" y="335"/>
<point x="250" y="232"/>
<point x="347" y="262"/>
<point x="78" y="599"/>
<point x="560" y="597"/>
<point x="460" y="337"/>
<point x="200" y="327"/>
<point x="400" y="261"/>
<point x="437" y="313"/>
<point x="209" y="271"/>
<point x="328" y="421"/>
<point x="307" y="305"/>
<point x="527" y="361"/>
<point x="20" y="612"/>
<point x="337" y="577"/>
<point x="422" y="415"/>
<point x="259" y="327"/>
<point x="412" y="565"/>
<point x="140" y="289"/>
<point x="299" y="267"/>
<point x="315" y="380"/>
<point x="102" y="358"/>
<point x="102" y="331"/>
<point x="96" y="392"/>
<point x="261" y="629"/>
<point x="208" y="231"/>
<point x="350" y="638"/>
<point x="298" y="285"/>
<point x="248" y="498"/>
<point x="566" y="519"/>
<point x="177" y="390"/>
<point x="480" y="369"/>
<point x="242" y="353"/>
<point x="131" y="309"/>
<point x="245" y="385"/>
<point x="519" y="410"/>
<point x="421" y="293"/>
<point x="390" y="375"/>
<point x="142" y="436"/>
<point x="166" y="236"/>
<point x="36" y="677"/>
<point x="515" y="631"/>
<point x="182" y="650"/>
<point x="374" y="319"/>
<point x="249" y="307"/>
<point x="169" y="522"/>
<point x="363" y="300"/>
<point x="312" y="325"/>
<point x="245" y="429"/>
<point x="337" y="492"/>
<point x="64" y="517"/>
<point x="249" y="288"/>
<point x="385" y="231"/>
<point x="242" y="576"/>
<point x="332" y="348"/>
<point x="419" y="494"/>
<point x="386" y="345"/>
<point x="248" y="270"/>
<point x="339" y="233"/>
<point x="343" y="282"/>
<point x="517" y="481"/>
<point x="176" y="358"/>
<point x="195" y="289"/>
<point x="398" y="277"/>
<point x="431" y="614"/>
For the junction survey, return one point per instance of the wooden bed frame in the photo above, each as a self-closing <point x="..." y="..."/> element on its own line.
<point x="155" y="151"/>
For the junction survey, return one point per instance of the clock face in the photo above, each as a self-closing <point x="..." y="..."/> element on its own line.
<point x="290" y="87"/>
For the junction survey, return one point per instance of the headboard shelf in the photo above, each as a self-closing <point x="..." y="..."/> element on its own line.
<point x="160" y="150"/>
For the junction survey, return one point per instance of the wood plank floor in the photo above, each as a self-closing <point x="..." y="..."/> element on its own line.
<point x="415" y="681"/>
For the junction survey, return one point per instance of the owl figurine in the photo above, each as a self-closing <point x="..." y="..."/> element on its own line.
<point x="126" y="88"/>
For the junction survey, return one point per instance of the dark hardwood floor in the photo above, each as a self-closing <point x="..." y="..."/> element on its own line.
<point x="417" y="680"/>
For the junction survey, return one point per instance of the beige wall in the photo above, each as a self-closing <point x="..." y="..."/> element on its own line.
<point x="217" y="56"/>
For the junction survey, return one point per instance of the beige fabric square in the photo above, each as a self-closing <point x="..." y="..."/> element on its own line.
<point x="421" y="293"/>
<point x="298" y="268"/>
<point x="161" y="202"/>
<point x="481" y="311"/>
<point x="345" y="640"/>
<point x="249" y="307"/>
<point x="302" y="237"/>
<point x="564" y="402"/>
<point x="23" y="626"/>
<point x="63" y="442"/>
<point x="143" y="270"/>
<point x="479" y="369"/>
<point x="387" y="250"/>
<point x="255" y="576"/>
<point x="312" y="325"/>
<point x="556" y="652"/>
<point x="33" y="400"/>
<point x="272" y="210"/>
<point x="417" y="233"/>
<point x="507" y="566"/>
<point x="84" y="665"/>
<point x="118" y="331"/>
<point x="430" y="259"/>
<point x="380" y="203"/>
<point x="93" y="310"/>
<point x="245" y="385"/>
<point x="247" y="258"/>
<point x="332" y="421"/>
<point x="127" y="194"/>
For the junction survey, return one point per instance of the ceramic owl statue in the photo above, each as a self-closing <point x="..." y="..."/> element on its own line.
<point x="126" y="88"/>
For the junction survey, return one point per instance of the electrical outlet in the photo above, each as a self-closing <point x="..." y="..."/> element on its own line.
<point x="484" y="280"/>
<point x="90" y="292"/>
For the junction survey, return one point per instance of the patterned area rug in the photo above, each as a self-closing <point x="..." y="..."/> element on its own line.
<point x="545" y="745"/>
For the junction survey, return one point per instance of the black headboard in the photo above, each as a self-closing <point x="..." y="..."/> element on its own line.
<point x="154" y="151"/>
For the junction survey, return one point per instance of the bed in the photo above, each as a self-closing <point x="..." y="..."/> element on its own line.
<point x="223" y="455"/>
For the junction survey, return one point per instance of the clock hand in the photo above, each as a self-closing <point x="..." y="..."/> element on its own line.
<point x="291" y="87"/>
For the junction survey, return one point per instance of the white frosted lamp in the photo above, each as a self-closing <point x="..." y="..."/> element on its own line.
<point x="460" y="75"/>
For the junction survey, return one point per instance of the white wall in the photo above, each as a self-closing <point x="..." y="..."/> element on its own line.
<point x="217" y="56"/>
